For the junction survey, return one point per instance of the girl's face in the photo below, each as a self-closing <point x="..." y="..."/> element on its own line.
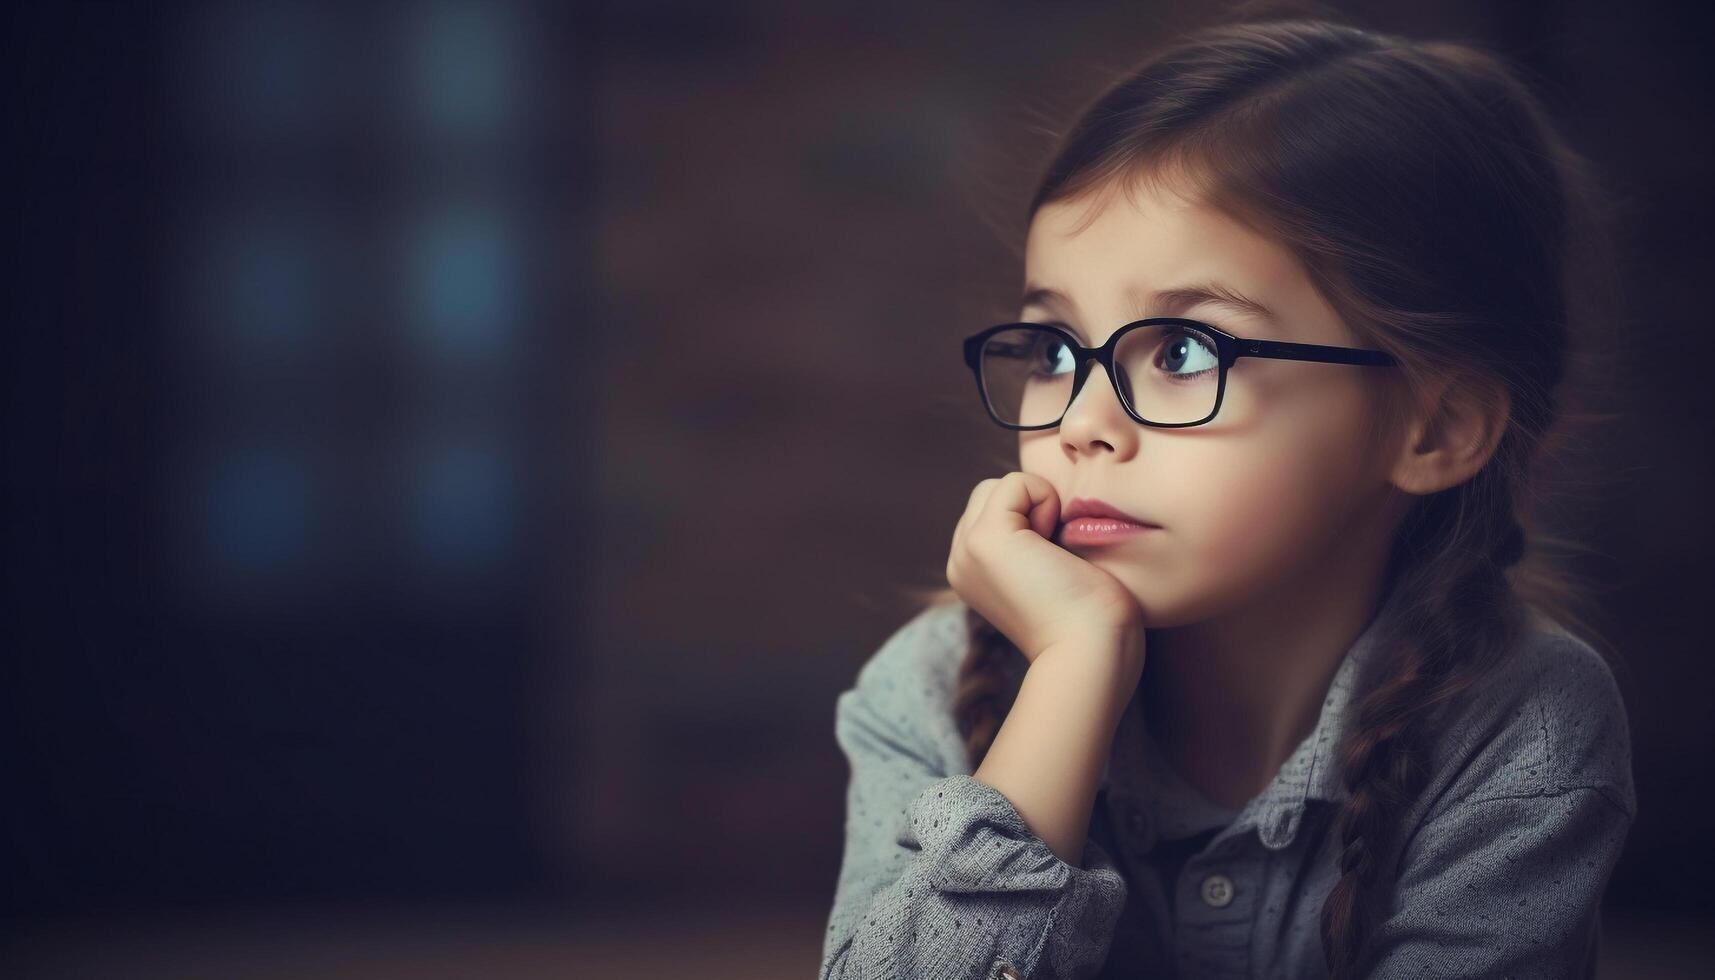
<point x="1255" y="502"/>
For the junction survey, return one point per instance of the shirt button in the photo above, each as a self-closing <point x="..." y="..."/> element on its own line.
<point x="1217" y="891"/>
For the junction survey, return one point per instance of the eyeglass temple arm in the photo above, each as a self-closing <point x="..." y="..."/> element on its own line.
<point x="1278" y="349"/>
<point x="1288" y="351"/>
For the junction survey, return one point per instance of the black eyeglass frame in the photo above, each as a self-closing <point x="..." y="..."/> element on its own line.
<point x="1228" y="349"/>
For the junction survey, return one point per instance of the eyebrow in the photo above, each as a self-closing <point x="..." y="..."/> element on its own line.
<point x="1172" y="301"/>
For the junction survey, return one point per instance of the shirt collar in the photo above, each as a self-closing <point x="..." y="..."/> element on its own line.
<point x="1158" y="803"/>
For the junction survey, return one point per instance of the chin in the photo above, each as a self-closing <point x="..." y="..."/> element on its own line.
<point x="1166" y="604"/>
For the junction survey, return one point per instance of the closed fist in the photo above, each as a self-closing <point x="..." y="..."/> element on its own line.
<point x="1005" y="565"/>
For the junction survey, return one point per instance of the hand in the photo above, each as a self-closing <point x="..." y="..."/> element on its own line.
<point x="1005" y="565"/>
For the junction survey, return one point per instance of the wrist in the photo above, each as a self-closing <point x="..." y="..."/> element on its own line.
<point x="1103" y="671"/>
<point x="1121" y="648"/>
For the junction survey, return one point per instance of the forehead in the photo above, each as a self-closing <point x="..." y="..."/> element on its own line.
<point x="1101" y="245"/>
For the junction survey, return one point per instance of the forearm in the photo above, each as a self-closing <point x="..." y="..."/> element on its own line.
<point x="1049" y="753"/>
<point x="941" y="876"/>
<point x="976" y="890"/>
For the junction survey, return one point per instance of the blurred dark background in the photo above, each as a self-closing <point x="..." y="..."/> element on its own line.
<point x="456" y="452"/>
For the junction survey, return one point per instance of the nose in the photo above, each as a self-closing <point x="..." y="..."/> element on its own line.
<point x="1097" y="416"/>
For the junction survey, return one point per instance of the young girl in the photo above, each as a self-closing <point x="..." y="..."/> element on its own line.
<point x="1237" y="676"/>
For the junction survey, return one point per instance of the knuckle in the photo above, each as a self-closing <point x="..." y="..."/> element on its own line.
<point x="978" y="546"/>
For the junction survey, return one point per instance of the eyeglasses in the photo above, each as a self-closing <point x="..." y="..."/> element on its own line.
<point x="1169" y="372"/>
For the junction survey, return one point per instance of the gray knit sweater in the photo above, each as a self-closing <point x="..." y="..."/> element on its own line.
<point x="1510" y="846"/>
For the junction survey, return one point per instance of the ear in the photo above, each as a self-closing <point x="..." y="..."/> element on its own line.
<point x="1451" y="434"/>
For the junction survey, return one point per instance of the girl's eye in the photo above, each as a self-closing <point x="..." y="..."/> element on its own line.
<point x="1184" y="354"/>
<point x="1053" y="356"/>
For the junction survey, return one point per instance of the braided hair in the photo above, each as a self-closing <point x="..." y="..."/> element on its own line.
<point x="1448" y="223"/>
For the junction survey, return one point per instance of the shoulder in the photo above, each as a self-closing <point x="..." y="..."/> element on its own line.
<point x="1548" y="719"/>
<point x="923" y="652"/>
<point x="902" y="696"/>
<point x="1503" y="870"/>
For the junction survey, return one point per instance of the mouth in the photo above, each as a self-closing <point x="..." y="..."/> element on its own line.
<point x="1081" y="531"/>
<point x="1082" y="507"/>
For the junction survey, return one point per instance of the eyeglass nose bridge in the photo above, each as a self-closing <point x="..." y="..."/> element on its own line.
<point x="1104" y="356"/>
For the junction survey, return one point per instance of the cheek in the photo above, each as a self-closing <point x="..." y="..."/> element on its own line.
<point x="1265" y="494"/>
<point x="1271" y="494"/>
<point x="1040" y="453"/>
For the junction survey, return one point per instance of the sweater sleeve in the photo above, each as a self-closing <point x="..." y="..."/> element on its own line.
<point x="940" y="876"/>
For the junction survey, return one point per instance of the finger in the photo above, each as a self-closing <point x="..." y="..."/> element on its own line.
<point x="1044" y="513"/>
<point x="1023" y="500"/>
<point x="973" y="506"/>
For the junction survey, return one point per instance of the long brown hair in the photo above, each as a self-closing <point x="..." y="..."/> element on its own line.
<point x="1442" y="215"/>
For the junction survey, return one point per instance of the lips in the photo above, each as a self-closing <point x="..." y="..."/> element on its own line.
<point x="1091" y="507"/>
